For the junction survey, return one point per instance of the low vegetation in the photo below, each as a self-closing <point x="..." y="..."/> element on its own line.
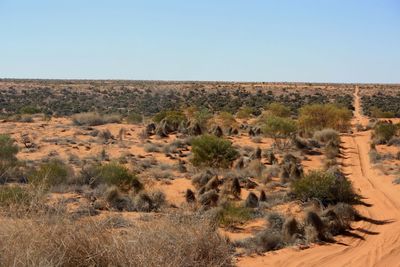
<point x="317" y="117"/>
<point x="183" y="164"/>
<point x="324" y="186"/>
<point x="212" y="151"/>
<point x="175" y="241"/>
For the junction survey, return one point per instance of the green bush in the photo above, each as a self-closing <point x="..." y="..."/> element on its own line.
<point x="50" y="174"/>
<point x="8" y="148"/>
<point x="14" y="195"/>
<point x="8" y="159"/>
<point x="134" y="118"/>
<point x="317" y="117"/>
<point x="324" y="186"/>
<point x="116" y="174"/>
<point x="29" y="110"/>
<point x="384" y="131"/>
<point x="212" y="151"/>
<point x="173" y="117"/>
<point x="202" y="116"/>
<point x="230" y="215"/>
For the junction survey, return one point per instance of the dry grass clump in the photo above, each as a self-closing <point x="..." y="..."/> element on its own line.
<point x="176" y="241"/>
<point x="93" y="119"/>
<point x="316" y="227"/>
<point x="326" y="135"/>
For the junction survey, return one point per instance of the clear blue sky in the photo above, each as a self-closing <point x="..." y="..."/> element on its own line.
<point x="247" y="40"/>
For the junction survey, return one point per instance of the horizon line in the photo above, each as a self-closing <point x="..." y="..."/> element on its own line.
<point x="197" y="81"/>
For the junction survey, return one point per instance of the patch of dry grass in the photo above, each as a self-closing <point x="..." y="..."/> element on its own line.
<point x="174" y="241"/>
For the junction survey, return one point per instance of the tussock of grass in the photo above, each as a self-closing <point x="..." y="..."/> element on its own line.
<point x="231" y="214"/>
<point x="93" y="119"/>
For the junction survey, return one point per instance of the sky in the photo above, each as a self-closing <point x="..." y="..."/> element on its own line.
<point x="214" y="40"/>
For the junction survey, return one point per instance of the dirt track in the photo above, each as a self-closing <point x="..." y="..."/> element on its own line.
<point x="373" y="242"/>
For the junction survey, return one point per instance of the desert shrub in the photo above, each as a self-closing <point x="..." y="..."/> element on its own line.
<point x="93" y="119"/>
<point x="160" y="174"/>
<point x="173" y="147"/>
<point x="278" y="110"/>
<point x="172" y="117"/>
<point x="201" y="178"/>
<point x="8" y="159"/>
<point x="268" y="239"/>
<point x="223" y="119"/>
<point x="149" y="147"/>
<point x="174" y="241"/>
<point x="331" y="150"/>
<point x="378" y="113"/>
<point x="209" y="198"/>
<point x="14" y="195"/>
<point x="280" y="129"/>
<point x="29" y="110"/>
<point x="118" y="200"/>
<point x="244" y="113"/>
<point x="134" y="118"/>
<point x="23" y="118"/>
<point x="326" y="135"/>
<point x="317" y="117"/>
<point x="212" y="151"/>
<point x="8" y="148"/>
<point x="383" y="132"/>
<point x="49" y="174"/>
<point x="105" y="135"/>
<point x="202" y="116"/>
<point x="231" y="214"/>
<point x="159" y="199"/>
<point x="324" y="186"/>
<point x="255" y="168"/>
<point x="116" y="174"/>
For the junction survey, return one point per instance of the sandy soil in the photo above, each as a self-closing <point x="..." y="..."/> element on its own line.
<point x="375" y="243"/>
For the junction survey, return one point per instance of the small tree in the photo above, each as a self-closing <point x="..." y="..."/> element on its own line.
<point x="212" y="151"/>
<point x="280" y="129"/>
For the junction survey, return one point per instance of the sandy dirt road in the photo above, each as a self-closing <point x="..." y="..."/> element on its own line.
<point x="374" y="242"/>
